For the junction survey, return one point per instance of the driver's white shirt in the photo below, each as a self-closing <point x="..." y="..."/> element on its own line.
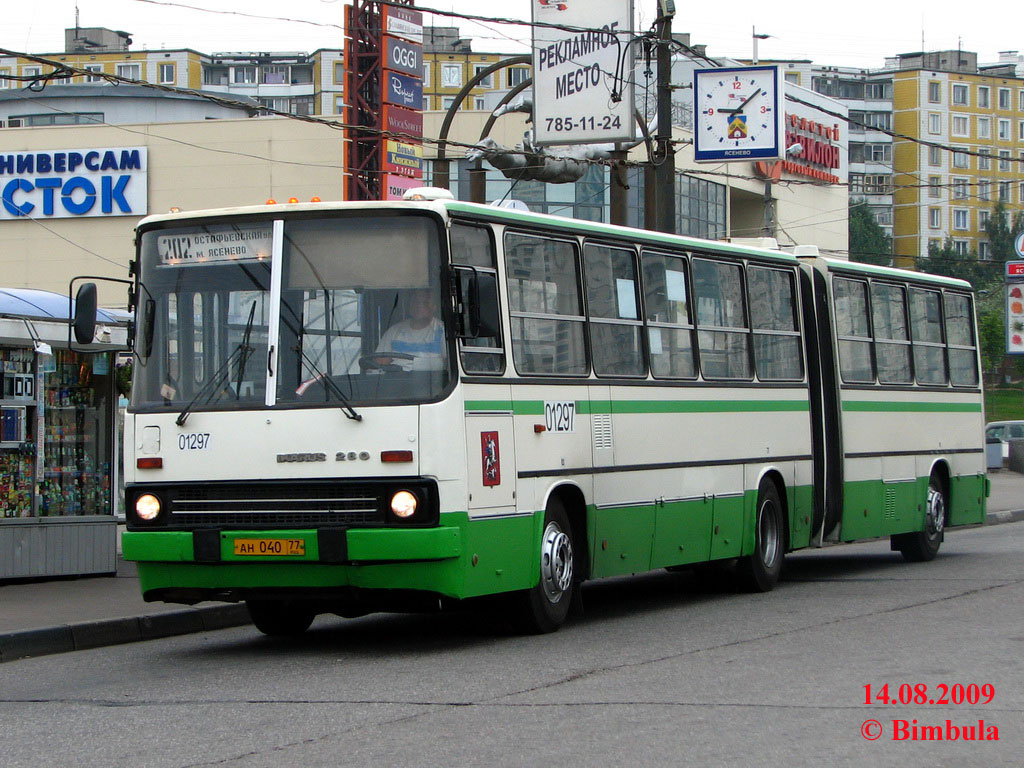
<point x="426" y="345"/>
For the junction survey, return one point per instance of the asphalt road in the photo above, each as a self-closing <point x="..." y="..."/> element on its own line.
<point x="664" y="669"/>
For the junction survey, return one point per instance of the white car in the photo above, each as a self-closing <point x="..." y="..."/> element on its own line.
<point x="1005" y="431"/>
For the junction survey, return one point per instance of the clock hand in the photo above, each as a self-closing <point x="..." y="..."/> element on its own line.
<point x="744" y="103"/>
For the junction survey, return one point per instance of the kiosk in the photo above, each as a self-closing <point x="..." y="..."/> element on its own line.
<point x="59" y="467"/>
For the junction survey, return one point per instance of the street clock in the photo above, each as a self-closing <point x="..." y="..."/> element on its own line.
<point x="738" y="114"/>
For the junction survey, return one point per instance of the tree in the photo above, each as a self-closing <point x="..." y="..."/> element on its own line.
<point x="1001" y="232"/>
<point x="868" y="241"/>
<point x="947" y="260"/>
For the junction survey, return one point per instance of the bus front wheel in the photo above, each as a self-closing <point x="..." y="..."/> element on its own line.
<point x="280" y="618"/>
<point x="922" y="546"/>
<point x="544" y="607"/>
<point x="759" y="571"/>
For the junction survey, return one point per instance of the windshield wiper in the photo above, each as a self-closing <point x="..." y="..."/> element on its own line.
<point x="220" y="376"/>
<point x="330" y="387"/>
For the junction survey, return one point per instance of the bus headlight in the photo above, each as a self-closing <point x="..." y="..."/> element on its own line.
<point x="147" y="507"/>
<point x="403" y="504"/>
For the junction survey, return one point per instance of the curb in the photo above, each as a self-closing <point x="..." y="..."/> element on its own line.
<point x="96" y="634"/>
<point x="996" y="518"/>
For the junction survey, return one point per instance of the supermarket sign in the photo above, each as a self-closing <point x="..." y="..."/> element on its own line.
<point x="69" y="183"/>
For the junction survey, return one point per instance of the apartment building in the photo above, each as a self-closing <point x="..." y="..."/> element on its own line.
<point x="945" y="99"/>
<point x="292" y="82"/>
<point x="449" y="62"/>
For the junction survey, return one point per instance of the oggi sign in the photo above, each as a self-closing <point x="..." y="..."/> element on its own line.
<point x="402" y="56"/>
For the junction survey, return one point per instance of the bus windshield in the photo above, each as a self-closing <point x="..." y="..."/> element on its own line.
<point x="360" y="318"/>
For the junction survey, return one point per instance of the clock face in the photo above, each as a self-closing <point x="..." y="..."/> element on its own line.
<point x="737" y="114"/>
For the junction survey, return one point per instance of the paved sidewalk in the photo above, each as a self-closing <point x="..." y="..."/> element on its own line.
<point x="39" y="618"/>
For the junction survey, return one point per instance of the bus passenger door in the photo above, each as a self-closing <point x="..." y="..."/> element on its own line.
<point x="826" y="433"/>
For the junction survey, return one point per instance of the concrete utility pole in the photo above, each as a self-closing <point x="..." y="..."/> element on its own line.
<point x="665" y="171"/>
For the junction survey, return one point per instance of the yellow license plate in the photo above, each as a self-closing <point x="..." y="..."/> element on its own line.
<point x="270" y="547"/>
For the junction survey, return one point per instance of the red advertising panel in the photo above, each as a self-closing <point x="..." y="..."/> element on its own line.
<point x="403" y="121"/>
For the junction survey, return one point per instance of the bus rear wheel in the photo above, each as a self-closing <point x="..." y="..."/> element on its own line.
<point x="922" y="546"/>
<point x="759" y="571"/>
<point x="544" y="607"/>
<point x="280" y="618"/>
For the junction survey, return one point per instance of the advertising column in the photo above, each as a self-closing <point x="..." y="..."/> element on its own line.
<point x="402" y="101"/>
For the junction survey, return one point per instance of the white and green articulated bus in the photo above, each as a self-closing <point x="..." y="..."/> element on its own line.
<point x="352" y="407"/>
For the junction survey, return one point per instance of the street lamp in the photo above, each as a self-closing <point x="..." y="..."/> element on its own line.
<point x="756" y="38"/>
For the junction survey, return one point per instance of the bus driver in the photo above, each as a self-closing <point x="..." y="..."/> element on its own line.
<point x="417" y="341"/>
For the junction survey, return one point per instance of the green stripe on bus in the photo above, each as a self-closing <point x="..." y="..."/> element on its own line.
<point x="536" y="407"/>
<point x="886" y="406"/>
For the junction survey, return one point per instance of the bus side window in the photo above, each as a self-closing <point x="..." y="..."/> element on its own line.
<point x="853" y="330"/>
<point x="669" y="324"/>
<point x="963" y="357"/>
<point x="613" y="304"/>
<point x="926" y="328"/>
<point x="545" y="304"/>
<point x="723" y="336"/>
<point x="473" y="246"/>
<point x="777" y="348"/>
<point x="892" y="338"/>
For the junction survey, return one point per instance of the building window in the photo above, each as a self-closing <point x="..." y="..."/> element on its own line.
<point x="1004" y="129"/>
<point x="1020" y="129"/>
<point x="339" y="72"/>
<point x="4" y="82"/>
<point x="961" y="159"/>
<point x="166" y="73"/>
<point x="960" y="93"/>
<point x="129" y="71"/>
<point x="479" y="103"/>
<point x="960" y="247"/>
<point x="878" y="184"/>
<point x="934" y="156"/>
<point x="984" y="159"/>
<point x="983" y="217"/>
<point x="451" y="75"/>
<point x="983" y="251"/>
<point x="878" y="153"/>
<point x="1004" y="98"/>
<point x="793" y="77"/>
<point x="339" y="105"/>
<point x="487" y="82"/>
<point x="960" y="188"/>
<point x="984" y="101"/>
<point x="60" y="118"/>
<point x="934" y="184"/>
<point x="935" y="218"/>
<point x="984" y="128"/>
<point x="934" y="123"/>
<point x="984" y="190"/>
<point x="856" y="183"/>
<point x="447" y="102"/>
<point x="1020" y="101"/>
<point x="934" y="92"/>
<point x="274" y="74"/>
<point x="1005" y="188"/>
<point x="961" y="127"/>
<point x="93" y="78"/>
<point x="1004" y="160"/>
<point x="960" y="218"/>
<point x="31" y="71"/>
<point x="244" y="75"/>
<point x="515" y="75"/>
<point x="880" y="91"/>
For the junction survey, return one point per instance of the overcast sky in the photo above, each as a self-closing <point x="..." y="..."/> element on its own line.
<point x="858" y="34"/>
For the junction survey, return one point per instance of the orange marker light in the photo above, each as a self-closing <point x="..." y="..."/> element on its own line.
<point x="396" y="456"/>
<point x="293" y="199"/>
<point x="152" y="462"/>
<point x="271" y="201"/>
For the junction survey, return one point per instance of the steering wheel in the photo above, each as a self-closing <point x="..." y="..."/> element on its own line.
<point x="370" y="361"/>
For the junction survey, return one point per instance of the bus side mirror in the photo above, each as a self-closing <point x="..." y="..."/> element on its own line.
<point x="85" y="313"/>
<point x="478" y="304"/>
<point x="488" y="321"/>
